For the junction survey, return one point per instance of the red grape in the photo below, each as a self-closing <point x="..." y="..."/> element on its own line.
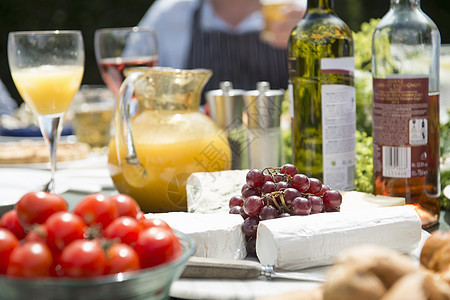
<point x="282" y="185"/>
<point x="253" y="205"/>
<point x="250" y="226"/>
<point x="268" y="187"/>
<point x="235" y="210"/>
<point x="268" y="199"/>
<point x="244" y="187"/>
<point x="268" y="177"/>
<point x="324" y="188"/>
<point x="290" y="194"/>
<point x="315" y="186"/>
<point x="301" y="206"/>
<point x="250" y="192"/>
<point x="288" y="169"/>
<point x="236" y="201"/>
<point x="250" y="246"/>
<point x="332" y="199"/>
<point x="243" y="214"/>
<point x="255" y="178"/>
<point x="278" y="178"/>
<point x="316" y="204"/>
<point x="268" y="212"/>
<point x="300" y="182"/>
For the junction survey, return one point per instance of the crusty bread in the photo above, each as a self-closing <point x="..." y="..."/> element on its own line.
<point x="435" y="254"/>
<point x="421" y="285"/>
<point x="366" y="272"/>
<point x="28" y="152"/>
<point x="432" y="246"/>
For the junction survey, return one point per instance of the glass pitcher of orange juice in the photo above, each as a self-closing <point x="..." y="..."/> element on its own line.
<point x="161" y="137"/>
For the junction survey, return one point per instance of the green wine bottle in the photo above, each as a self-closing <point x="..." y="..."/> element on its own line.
<point x="322" y="94"/>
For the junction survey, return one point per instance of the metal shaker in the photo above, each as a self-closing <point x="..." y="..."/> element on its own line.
<point x="226" y="109"/>
<point x="262" y="120"/>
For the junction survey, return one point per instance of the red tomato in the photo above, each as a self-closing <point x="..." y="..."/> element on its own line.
<point x="31" y="259"/>
<point x="63" y="228"/>
<point x="153" y="222"/>
<point x="126" y="205"/>
<point x="122" y="258"/>
<point x="157" y="246"/>
<point x="83" y="258"/>
<point x="10" y="221"/>
<point x="96" y="209"/>
<point x="8" y="241"/>
<point x="37" y="233"/>
<point x="36" y="207"/>
<point x="126" y="229"/>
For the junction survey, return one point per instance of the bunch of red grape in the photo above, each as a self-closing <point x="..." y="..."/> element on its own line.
<point x="280" y="192"/>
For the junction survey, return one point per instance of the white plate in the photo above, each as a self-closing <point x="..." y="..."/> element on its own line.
<point x="14" y="183"/>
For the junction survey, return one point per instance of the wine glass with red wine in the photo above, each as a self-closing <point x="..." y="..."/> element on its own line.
<point x="117" y="49"/>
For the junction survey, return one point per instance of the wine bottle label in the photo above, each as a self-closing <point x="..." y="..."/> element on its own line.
<point x="338" y="125"/>
<point x="338" y="135"/>
<point x="401" y="127"/>
<point x="342" y="65"/>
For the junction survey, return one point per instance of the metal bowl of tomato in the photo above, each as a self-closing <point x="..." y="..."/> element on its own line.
<point x="86" y="254"/>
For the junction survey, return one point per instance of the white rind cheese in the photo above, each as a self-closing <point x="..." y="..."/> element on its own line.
<point x="216" y="235"/>
<point x="353" y="200"/>
<point x="210" y="192"/>
<point x="300" y="242"/>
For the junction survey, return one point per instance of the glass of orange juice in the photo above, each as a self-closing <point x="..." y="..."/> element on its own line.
<point x="276" y="12"/>
<point x="47" y="68"/>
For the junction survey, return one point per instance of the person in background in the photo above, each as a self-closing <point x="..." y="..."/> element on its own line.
<point x="7" y="104"/>
<point x="224" y="36"/>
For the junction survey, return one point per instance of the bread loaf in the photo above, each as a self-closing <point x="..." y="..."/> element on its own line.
<point x="435" y="254"/>
<point x="421" y="285"/>
<point x="366" y="272"/>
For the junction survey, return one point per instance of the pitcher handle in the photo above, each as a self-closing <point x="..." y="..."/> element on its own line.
<point x="132" y="169"/>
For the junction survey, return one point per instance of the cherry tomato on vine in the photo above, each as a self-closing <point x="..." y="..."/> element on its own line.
<point x="126" y="205"/>
<point x="83" y="258"/>
<point x="36" y="207"/>
<point x="157" y="246"/>
<point x="10" y="221"/>
<point x="63" y="228"/>
<point x="31" y="259"/>
<point x="8" y="241"/>
<point x="126" y="229"/>
<point x="96" y="209"/>
<point x="122" y="258"/>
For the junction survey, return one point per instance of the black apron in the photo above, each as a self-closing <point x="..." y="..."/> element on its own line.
<point x="242" y="59"/>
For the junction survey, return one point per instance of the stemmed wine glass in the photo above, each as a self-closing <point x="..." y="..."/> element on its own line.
<point x="119" y="48"/>
<point x="47" y="68"/>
